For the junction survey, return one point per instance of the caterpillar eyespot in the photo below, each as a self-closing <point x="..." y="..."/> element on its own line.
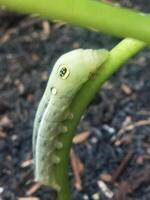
<point x="63" y="71"/>
<point x="49" y="140"/>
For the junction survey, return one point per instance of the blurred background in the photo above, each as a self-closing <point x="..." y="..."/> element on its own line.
<point x="110" y="158"/>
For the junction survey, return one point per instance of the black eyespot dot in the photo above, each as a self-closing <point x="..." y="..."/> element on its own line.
<point x="63" y="71"/>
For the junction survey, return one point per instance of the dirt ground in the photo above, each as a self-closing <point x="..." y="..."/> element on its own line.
<point x="111" y="151"/>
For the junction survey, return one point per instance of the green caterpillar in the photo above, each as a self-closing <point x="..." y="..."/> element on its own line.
<point x="71" y="71"/>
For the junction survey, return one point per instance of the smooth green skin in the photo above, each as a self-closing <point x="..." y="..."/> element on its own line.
<point x="53" y="111"/>
<point x="88" y="13"/>
<point x="118" y="56"/>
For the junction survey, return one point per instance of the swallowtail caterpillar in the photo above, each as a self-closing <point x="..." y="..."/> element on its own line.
<point x="70" y="72"/>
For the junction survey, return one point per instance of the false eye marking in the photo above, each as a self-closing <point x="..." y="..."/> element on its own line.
<point x="63" y="71"/>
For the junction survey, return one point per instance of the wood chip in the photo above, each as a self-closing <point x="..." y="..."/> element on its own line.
<point x="126" y="139"/>
<point x="35" y="57"/>
<point x="107" y="192"/>
<point x="76" y="45"/>
<point x="27" y="163"/>
<point x="122" y="166"/>
<point x="141" y="60"/>
<point x="5" y="38"/>
<point x="21" y="89"/>
<point x="44" y="76"/>
<point x="28" y="198"/>
<point x="20" y="86"/>
<point x="6" y="122"/>
<point x="33" y="189"/>
<point x="106" y="177"/>
<point x="140" y="160"/>
<point x="123" y="189"/>
<point x="30" y="98"/>
<point x="78" y="168"/>
<point x="126" y="89"/>
<point x="141" y="179"/>
<point x="2" y="135"/>
<point x="142" y="122"/>
<point x="130" y="185"/>
<point x="82" y="137"/>
<point x="134" y="125"/>
<point x="46" y="30"/>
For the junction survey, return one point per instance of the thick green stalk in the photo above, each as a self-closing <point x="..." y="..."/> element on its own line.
<point x="118" y="56"/>
<point x="88" y="13"/>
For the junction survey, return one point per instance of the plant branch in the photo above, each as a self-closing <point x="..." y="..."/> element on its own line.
<point x="88" y="13"/>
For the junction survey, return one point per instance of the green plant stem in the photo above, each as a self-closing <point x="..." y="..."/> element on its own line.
<point x="118" y="56"/>
<point x="88" y="13"/>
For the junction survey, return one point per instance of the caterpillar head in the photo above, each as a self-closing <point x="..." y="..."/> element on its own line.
<point x="74" y="68"/>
